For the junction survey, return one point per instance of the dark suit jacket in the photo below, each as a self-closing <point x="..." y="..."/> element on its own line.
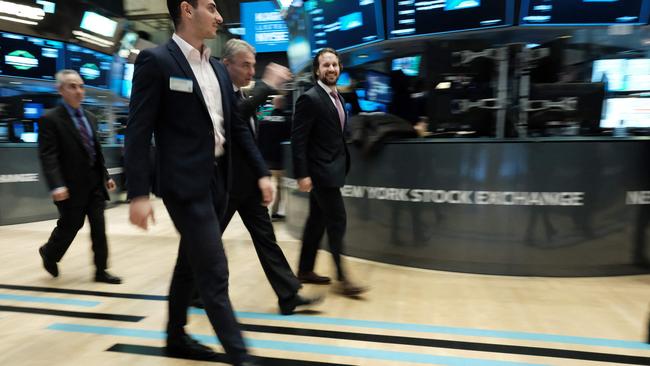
<point x="64" y="159"/>
<point x="317" y="141"/>
<point x="182" y="128"/>
<point x="244" y="179"/>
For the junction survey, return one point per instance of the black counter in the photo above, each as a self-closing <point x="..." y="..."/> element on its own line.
<point x="547" y="207"/>
<point x="24" y="196"/>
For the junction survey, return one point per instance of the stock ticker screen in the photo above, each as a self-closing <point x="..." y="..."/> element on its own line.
<point x="583" y="12"/>
<point x="408" y="18"/>
<point x="344" y="24"/>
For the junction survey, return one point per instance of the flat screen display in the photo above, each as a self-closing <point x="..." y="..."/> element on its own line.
<point x="32" y="110"/>
<point x="344" y="24"/>
<point x="94" y="67"/>
<point x="623" y="75"/>
<point x="626" y="112"/>
<point x="366" y="105"/>
<point x="30" y="57"/>
<point x="408" y="18"/>
<point x="409" y="65"/>
<point x="98" y="24"/>
<point x="264" y="27"/>
<point x="583" y="12"/>
<point x="299" y="47"/>
<point x="378" y="87"/>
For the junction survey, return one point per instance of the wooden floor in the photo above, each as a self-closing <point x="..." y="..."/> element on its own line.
<point x="410" y="316"/>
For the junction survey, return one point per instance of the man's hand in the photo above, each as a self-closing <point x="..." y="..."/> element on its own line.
<point x="304" y="184"/>
<point x="60" y="194"/>
<point x="110" y="185"/>
<point x="140" y="211"/>
<point x="268" y="190"/>
<point x="275" y="75"/>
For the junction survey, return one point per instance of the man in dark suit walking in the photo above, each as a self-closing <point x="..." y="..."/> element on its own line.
<point x="73" y="166"/>
<point x="321" y="161"/>
<point x="239" y="59"/>
<point x="185" y="99"/>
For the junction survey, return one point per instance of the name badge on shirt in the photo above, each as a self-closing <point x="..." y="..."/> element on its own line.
<point x="180" y="84"/>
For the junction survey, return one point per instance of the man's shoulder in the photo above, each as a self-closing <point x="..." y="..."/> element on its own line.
<point x="53" y="113"/>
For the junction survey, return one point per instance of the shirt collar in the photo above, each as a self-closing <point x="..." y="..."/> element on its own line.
<point x="72" y="111"/>
<point x="189" y="51"/>
<point x="327" y="88"/>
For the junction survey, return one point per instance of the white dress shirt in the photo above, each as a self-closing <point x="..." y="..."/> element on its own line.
<point x="209" y="84"/>
<point x="329" y="90"/>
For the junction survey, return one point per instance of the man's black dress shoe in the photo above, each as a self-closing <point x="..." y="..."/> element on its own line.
<point x="50" y="266"/>
<point x="103" y="276"/>
<point x="312" y="277"/>
<point x="186" y="347"/>
<point x="288" y="307"/>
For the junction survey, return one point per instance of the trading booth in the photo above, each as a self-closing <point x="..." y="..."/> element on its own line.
<point x="535" y="159"/>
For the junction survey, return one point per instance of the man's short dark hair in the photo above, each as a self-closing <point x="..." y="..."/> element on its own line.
<point x="316" y="63"/>
<point x="174" y="8"/>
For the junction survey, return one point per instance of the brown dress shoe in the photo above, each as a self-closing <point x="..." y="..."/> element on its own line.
<point x="348" y="288"/>
<point x="311" y="277"/>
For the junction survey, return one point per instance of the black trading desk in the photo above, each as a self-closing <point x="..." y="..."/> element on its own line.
<point x="24" y="196"/>
<point x="548" y="207"/>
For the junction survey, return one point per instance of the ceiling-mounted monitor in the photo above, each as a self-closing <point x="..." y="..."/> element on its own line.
<point x="94" y="67"/>
<point x="345" y="24"/>
<point x="264" y="27"/>
<point x="30" y="57"/>
<point x="409" y="18"/>
<point x="583" y="12"/>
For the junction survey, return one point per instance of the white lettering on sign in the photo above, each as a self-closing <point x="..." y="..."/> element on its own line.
<point x="273" y="16"/>
<point x="461" y="197"/>
<point x="18" y="178"/>
<point x="637" y="198"/>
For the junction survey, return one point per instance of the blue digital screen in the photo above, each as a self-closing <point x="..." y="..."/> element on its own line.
<point x="344" y="24"/>
<point x="367" y="105"/>
<point x="583" y="12"/>
<point x="32" y="110"/>
<point x="264" y="27"/>
<point x="417" y="18"/>
<point x="409" y="65"/>
<point x="30" y="57"/>
<point x="94" y="67"/>
<point x="344" y="79"/>
<point x="127" y="81"/>
<point x="378" y="87"/>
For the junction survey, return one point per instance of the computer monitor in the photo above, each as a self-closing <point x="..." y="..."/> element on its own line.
<point x="587" y="106"/>
<point x="367" y="105"/>
<point x="410" y="65"/>
<point x="418" y="18"/>
<point x="345" y="24"/>
<point x="623" y="75"/>
<point x="32" y="110"/>
<point x="583" y="12"/>
<point x="378" y="87"/>
<point x="94" y="67"/>
<point x="627" y="112"/>
<point x="345" y="81"/>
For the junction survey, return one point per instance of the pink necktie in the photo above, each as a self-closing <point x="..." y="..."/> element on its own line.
<point x="339" y="108"/>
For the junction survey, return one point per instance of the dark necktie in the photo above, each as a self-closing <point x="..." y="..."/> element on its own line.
<point x="339" y="108"/>
<point x="86" y="136"/>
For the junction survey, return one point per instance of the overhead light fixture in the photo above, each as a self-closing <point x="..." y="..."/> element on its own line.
<point x="17" y="20"/>
<point x="363" y="55"/>
<point x="86" y="37"/>
<point x="20" y="13"/>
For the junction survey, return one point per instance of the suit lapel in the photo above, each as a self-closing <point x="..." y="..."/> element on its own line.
<point x="69" y="125"/>
<point x="187" y="70"/>
<point x="327" y="101"/>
